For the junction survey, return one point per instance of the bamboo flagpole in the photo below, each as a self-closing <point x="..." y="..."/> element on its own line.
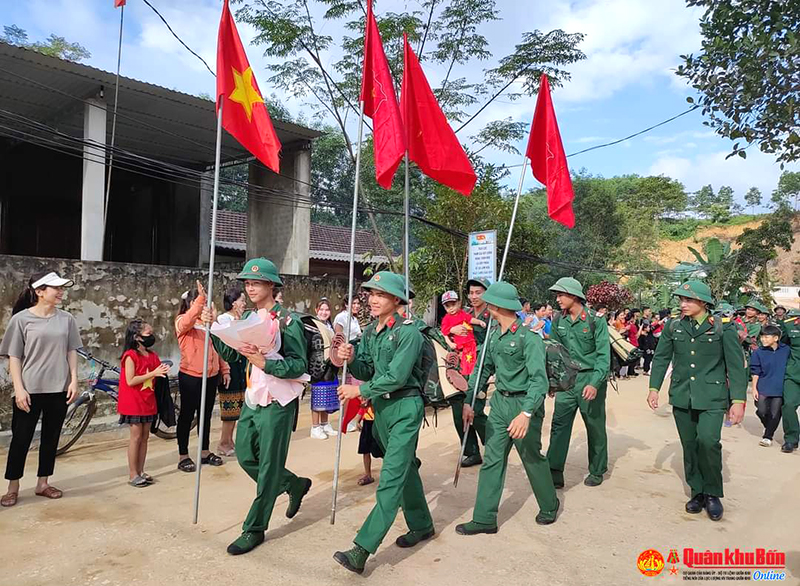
<point x="113" y="135"/>
<point x="406" y="230"/>
<point x="209" y="293"/>
<point x="491" y="324"/>
<point x="350" y="287"/>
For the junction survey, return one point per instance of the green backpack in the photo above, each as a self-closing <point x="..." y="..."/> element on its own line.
<point x="562" y="370"/>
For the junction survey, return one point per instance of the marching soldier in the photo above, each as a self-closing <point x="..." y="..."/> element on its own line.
<point x="479" y="310"/>
<point x="791" y="385"/>
<point x="388" y="358"/>
<point x="264" y="431"/>
<point x="516" y="356"/>
<point x="708" y="379"/>
<point x="586" y="338"/>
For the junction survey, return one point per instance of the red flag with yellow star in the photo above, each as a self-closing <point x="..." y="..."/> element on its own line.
<point x="244" y="114"/>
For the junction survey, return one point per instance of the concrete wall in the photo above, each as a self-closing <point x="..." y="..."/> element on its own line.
<point x="107" y="295"/>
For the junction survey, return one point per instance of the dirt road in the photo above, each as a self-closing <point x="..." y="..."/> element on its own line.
<point x="107" y="533"/>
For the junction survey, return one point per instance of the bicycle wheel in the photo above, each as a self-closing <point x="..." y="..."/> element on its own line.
<point x="77" y="420"/>
<point x="171" y="432"/>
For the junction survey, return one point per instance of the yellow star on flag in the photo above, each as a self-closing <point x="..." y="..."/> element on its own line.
<point x="245" y="93"/>
<point x="148" y="384"/>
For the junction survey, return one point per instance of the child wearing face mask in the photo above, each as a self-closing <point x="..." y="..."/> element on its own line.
<point x="137" y="407"/>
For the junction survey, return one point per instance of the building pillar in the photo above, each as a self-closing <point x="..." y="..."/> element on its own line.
<point x="206" y="197"/>
<point x="279" y="224"/>
<point x="94" y="179"/>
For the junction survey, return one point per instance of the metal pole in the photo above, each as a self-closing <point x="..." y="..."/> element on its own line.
<point x="490" y="325"/>
<point x="351" y="286"/>
<point x="113" y="136"/>
<point x="407" y="228"/>
<point x="209" y="293"/>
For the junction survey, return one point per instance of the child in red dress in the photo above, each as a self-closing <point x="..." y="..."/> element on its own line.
<point x="137" y="400"/>
<point x="464" y="343"/>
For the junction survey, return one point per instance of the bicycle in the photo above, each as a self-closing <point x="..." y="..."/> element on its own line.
<point x="84" y="407"/>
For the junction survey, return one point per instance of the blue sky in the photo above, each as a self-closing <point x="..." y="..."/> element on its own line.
<point x="625" y="84"/>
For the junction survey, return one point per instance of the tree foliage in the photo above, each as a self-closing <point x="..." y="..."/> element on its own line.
<point x="613" y="295"/>
<point x="54" y="46"/>
<point x="753" y="198"/>
<point x="748" y="73"/>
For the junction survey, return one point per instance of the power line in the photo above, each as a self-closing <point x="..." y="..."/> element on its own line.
<point x="164" y="20"/>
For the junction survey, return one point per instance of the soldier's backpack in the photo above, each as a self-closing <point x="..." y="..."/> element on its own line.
<point x="562" y="370"/>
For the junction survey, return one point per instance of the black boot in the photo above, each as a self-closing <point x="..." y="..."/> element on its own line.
<point x="788" y="448"/>
<point x="696" y="504"/>
<point x="714" y="508"/>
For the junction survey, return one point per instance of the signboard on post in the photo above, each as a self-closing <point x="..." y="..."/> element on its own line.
<point x="482" y="248"/>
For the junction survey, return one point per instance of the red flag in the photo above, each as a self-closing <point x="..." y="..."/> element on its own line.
<point x="548" y="160"/>
<point x="245" y="116"/>
<point x="432" y="144"/>
<point x="380" y="104"/>
<point x="118" y="3"/>
<point x="350" y="412"/>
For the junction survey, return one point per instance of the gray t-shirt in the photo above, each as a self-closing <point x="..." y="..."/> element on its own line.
<point x="42" y="344"/>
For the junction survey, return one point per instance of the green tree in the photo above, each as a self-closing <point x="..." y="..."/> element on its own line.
<point x="788" y="190"/>
<point x="747" y="73"/>
<point x="53" y="46"/>
<point x="753" y="198"/>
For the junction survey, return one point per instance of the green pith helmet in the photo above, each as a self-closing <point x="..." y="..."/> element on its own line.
<point x="479" y="282"/>
<point x="569" y="286"/>
<point x="390" y="283"/>
<point x="260" y="269"/>
<point x="503" y="295"/>
<point x="725" y="308"/>
<point x="793" y="313"/>
<point x="757" y="306"/>
<point x="695" y="290"/>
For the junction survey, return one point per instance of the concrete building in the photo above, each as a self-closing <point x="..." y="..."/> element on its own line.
<point x="55" y="125"/>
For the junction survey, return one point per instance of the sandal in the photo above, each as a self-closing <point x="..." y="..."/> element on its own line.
<point x="187" y="465"/>
<point x="149" y="479"/>
<point x="212" y="460"/>
<point x="365" y="480"/>
<point x="9" y="499"/>
<point x="138" y="482"/>
<point x="51" y="492"/>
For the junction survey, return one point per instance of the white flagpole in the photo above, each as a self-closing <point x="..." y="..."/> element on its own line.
<point x="209" y="293"/>
<point x="407" y="216"/>
<point x="351" y="286"/>
<point x="490" y="325"/>
<point x="113" y="137"/>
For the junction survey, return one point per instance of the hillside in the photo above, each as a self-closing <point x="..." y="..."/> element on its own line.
<point x="785" y="271"/>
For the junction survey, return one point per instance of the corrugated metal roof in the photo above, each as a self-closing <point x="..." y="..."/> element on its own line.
<point x="152" y="120"/>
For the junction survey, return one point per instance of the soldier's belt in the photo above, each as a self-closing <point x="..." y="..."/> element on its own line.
<point x="402" y="394"/>
<point x="510" y="394"/>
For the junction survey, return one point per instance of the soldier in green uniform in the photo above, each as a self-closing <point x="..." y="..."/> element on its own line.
<point x="708" y="379"/>
<point x="791" y="384"/>
<point x="516" y="356"/>
<point x="263" y="433"/>
<point x="479" y="310"/>
<point x="586" y="338"/>
<point x="389" y="358"/>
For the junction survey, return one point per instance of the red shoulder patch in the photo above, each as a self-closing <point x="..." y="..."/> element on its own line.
<point x="514" y="327"/>
<point x="273" y="314"/>
<point x="391" y="322"/>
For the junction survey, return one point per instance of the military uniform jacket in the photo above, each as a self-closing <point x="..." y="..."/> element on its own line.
<point x="517" y="359"/>
<point x="708" y="369"/>
<point x="293" y="347"/>
<point x="591" y="349"/>
<point x="791" y="336"/>
<point x="478" y="331"/>
<point x="389" y="360"/>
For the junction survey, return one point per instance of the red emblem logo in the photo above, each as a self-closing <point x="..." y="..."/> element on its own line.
<point x="650" y="562"/>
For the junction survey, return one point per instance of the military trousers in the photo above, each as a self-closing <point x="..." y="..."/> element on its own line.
<point x="396" y="427"/>
<point x="593" y="413"/>
<point x="492" y="476"/>
<point x="476" y="430"/>
<point x="791" y="401"/>
<point x="262" y="445"/>
<point x="700" y="432"/>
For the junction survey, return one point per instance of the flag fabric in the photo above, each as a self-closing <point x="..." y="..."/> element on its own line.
<point x="244" y="115"/>
<point x="548" y="160"/>
<point x="380" y="104"/>
<point x="432" y="144"/>
<point x="350" y="411"/>
<point x="118" y="3"/>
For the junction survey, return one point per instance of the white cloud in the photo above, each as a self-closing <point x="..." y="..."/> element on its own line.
<point x="759" y="170"/>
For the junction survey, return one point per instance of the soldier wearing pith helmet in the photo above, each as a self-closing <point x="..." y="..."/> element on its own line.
<point x="586" y="338"/>
<point x="389" y="359"/>
<point x="708" y="379"/>
<point x="516" y="356"/>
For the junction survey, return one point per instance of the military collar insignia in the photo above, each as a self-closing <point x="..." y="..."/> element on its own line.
<point x="711" y="320"/>
<point x="273" y="314"/>
<point x="391" y="322"/>
<point x="797" y="321"/>
<point x="514" y="327"/>
<point x="583" y="315"/>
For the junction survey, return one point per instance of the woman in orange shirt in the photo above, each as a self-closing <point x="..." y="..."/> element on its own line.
<point x="191" y="339"/>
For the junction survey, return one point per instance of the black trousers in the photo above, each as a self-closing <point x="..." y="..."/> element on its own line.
<point x="190" y="388"/>
<point x="53" y="408"/>
<point x="768" y="410"/>
<point x="648" y="359"/>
